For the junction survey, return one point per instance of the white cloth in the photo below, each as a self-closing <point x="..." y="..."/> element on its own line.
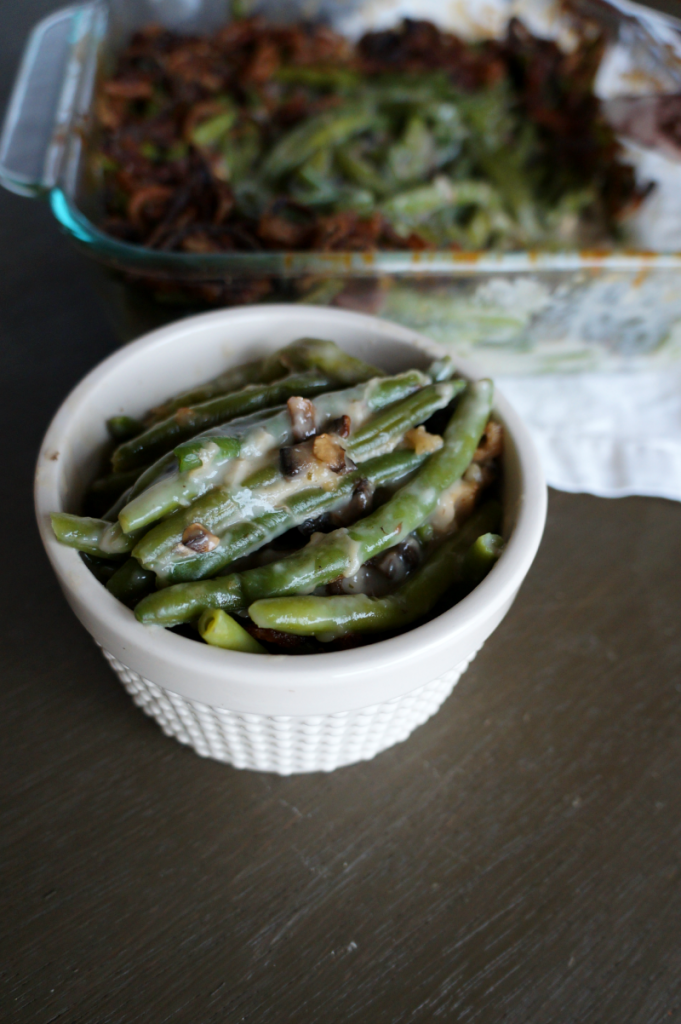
<point x="609" y="434"/>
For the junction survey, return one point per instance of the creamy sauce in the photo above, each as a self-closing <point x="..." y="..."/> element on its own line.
<point x="113" y="541"/>
<point x="352" y="552"/>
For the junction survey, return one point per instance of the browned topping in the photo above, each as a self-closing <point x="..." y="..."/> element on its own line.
<point x="264" y="63"/>
<point x="166" y="86"/>
<point x="147" y="201"/>
<point x="199" y="243"/>
<point x="197" y="538"/>
<point x="280" y="232"/>
<point x="302" y="413"/>
<point x="491" y="444"/>
<point x="130" y="89"/>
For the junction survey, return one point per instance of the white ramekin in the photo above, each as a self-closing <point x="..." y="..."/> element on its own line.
<point x="274" y="712"/>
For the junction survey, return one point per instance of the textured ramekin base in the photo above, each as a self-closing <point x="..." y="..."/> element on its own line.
<point x="287" y="744"/>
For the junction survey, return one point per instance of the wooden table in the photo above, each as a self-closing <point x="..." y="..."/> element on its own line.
<point x="518" y="859"/>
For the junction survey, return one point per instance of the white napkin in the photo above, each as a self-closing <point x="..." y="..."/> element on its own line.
<point x="609" y="434"/>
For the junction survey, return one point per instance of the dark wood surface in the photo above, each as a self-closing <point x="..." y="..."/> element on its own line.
<point x="518" y="859"/>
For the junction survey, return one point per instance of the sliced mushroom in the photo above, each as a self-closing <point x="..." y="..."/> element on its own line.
<point x="340" y="426"/>
<point x="397" y="561"/>
<point x="296" y="458"/>
<point x="302" y="413"/>
<point x="358" y="505"/>
<point x="198" y="539"/>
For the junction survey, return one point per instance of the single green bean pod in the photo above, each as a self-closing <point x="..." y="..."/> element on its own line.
<point x="93" y="536"/>
<point x="219" y="629"/>
<point x="121" y="428"/>
<point x="326" y="130"/>
<point x="481" y="556"/>
<point x="328" y="358"/>
<point x="131" y="583"/>
<point x="261" y="371"/>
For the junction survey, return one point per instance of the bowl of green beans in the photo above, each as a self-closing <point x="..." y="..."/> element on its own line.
<point x="288" y="529"/>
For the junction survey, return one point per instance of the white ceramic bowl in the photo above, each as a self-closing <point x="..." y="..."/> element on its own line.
<point x="274" y="712"/>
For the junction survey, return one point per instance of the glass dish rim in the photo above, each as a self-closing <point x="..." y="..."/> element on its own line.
<point x="125" y="256"/>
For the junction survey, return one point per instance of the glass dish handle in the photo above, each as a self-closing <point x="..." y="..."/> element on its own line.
<point x="45" y="99"/>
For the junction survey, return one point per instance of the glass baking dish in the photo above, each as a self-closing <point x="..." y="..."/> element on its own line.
<point x="523" y="312"/>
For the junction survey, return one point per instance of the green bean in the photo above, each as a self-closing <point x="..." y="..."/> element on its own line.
<point x="213" y="129"/>
<point x="261" y="371"/>
<point x="248" y="535"/>
<point x="189" y="454"/>
<point x="330" y="617"/>
<point x="184" y="423"/>
<point x="177" y="487"/>
<point x="481" y="556"/>
<point x="94" y="536"/>
<point x="221" y="630"/>
<point x="402" y="416"/>
<point x="146" y="477"/>
<point x="326" y="130"/>
<point x="328" y="358"/>
<point x="413" y="157"/>
<point x="442" y="369"/>
<point x="411" y="91"/>
<point x="362" y="172"/>
<point x="101" y="568"/>
<point x="185" y="602"/>
<point x="130" y="583"/>
<point x="217" y="508"/>
<point x="312" y="183"/>
<point x="339" y="553"/>
<point x="121" y="428"/>
<point x="418" y="204"/>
